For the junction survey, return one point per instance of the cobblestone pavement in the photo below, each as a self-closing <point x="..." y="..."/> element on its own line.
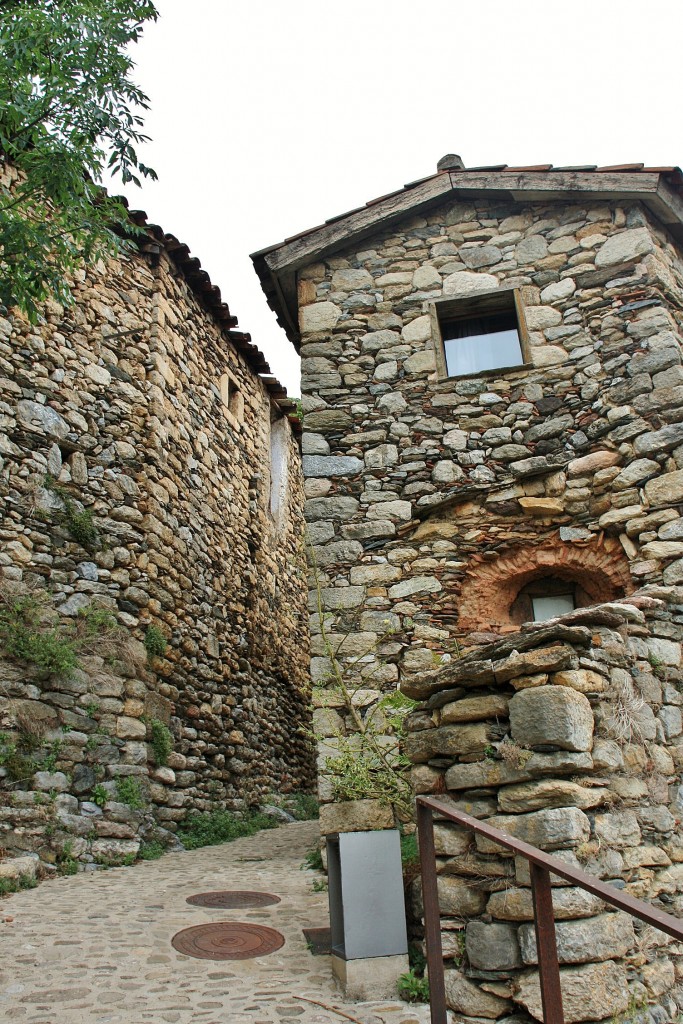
<point x="95" y="948"/>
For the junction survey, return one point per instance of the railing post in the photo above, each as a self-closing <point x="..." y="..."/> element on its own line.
<point x="546" y="945"/>
<point x="432" y="918"/>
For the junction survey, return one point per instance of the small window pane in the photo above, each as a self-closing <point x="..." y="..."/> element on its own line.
<point x="550" y="607"/>
<point x="481" y="343"/>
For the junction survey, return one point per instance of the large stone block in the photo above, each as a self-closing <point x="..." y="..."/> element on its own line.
<point x="450" y="840"/>
<point x="546" y="659"/>
<point x="327" y="420"/>
<point x="343" y="645"/>
<point x="465" y="996"/>
<point x="318" y="316"/>
<point x="355" y="816"/>
<point x="518" y="904"/>
<point x="20" y="867"/>
<point x="589" y="993"/>
<point x="339" y="507"/>
<point x="553" y="715"/>
<point x="492" y="947"/>
<point x="342" y="551"/>
<point x="624" y="247"/>
<point x="499" y="773"/>
<point x="582" y="941"/>
<point x="534" y="796"/>
<point x="465" y="283"/>
<point x="449" y="740"/>
<point x="457" y="897"/>
<point x="42" y="419"/>
<point x="548" y="829"/>
<point x="331" y="465"/>
<point x="666" y="489"/>
<point x="474" y="709"/>
<point x="374" y="574"/>
<point x="416" y="585"/>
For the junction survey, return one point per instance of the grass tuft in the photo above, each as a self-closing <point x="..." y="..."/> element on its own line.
<point x="221" y="827"/>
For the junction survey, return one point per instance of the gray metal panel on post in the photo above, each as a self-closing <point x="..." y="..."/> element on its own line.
<point x="372" y="894"/>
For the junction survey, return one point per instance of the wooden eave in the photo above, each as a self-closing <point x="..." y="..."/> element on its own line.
<point x="659" y="189"/>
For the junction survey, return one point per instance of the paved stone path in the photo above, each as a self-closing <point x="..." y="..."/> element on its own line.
<point x="95" y="948"/>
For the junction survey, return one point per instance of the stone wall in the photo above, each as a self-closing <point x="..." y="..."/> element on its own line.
<point x="567" y="735"/>
<point x="431" y="502"/>
<point x="134" y="406"/>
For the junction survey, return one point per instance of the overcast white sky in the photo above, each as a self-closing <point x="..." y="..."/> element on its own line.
<point x="269" y="117"/>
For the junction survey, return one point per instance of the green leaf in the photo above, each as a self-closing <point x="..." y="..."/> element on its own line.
<point x="68" y="110"/>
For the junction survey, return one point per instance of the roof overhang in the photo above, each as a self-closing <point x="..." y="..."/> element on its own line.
<point x="659" y="189"/>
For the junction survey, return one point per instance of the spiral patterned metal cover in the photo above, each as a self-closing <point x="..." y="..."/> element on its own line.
<point x="233" y="899"/>
<point x="227" y="940"/>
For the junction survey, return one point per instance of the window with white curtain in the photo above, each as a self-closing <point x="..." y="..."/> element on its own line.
<point x="480" y="334"/>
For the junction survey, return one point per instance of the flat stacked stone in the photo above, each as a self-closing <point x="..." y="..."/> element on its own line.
<point x="578" y="752"/>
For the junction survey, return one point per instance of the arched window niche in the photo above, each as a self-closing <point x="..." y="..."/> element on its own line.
<point x="527" y="584"/>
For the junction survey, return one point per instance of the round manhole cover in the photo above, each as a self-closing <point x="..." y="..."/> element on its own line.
<point x="227" y="941"/>
<point x="234" y="899"/>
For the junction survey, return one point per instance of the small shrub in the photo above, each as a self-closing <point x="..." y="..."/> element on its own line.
<point x="48" y="763"/>
<point x="100" y="796"/>
<point x="303" y="806"/>
<point x="94" y="620"/>
<point x="152" y="850"/>
<point x="161" y="742"/>
<point x="18" y="766"/>
<point x="10" y="885"/>
<point x="27" y="632"/>
<point x="155" y="643"/>
<point x="417" y="959"/>
<point x="129" y="791"/>
<point x="31" y="731"/>
<point x="514" y="755"/>
<point x="116" y="862"/>
<point x="396" y="706"/>
<point x="313" y="860"/>
<point x="320" y="885"/>
<point x="409" y="852"/>
<point x="413" y="989"/>
<point x="24" y="635"/>
<point x="80" y="525"/>
<point x="221" y="827"/>
<point x="369" y="774"/>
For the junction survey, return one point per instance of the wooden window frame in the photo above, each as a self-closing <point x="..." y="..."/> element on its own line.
<point x="501" y="300"/>
<point x="232" y="400"/>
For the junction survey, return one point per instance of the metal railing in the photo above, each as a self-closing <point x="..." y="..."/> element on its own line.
<point x="541" y="866"/>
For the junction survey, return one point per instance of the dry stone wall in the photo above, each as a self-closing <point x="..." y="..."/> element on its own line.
<point x="431" y="502"/>
<point x="134" y="407"/>
<point x="568" y="736"/>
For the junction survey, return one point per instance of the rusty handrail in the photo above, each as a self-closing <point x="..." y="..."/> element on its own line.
<point x="541" y="866"/>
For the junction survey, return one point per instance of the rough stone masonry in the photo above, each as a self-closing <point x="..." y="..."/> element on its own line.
<point x="439" y="503"/>
<point x="146" y="471"/>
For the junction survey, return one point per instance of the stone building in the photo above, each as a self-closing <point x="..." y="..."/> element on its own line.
<point x="150" y="467"/>
<point x="492" y="387"/>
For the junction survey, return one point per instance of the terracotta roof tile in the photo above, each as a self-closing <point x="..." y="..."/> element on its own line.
<point x="209" y="296"/>
<point x="486" y="167"/>
<point x="419" y="181"/>
<point x="674" y="176"/>
<point x="537" y="167"/>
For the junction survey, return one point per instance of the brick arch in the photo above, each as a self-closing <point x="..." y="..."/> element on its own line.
<point x="599" y="567"/>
